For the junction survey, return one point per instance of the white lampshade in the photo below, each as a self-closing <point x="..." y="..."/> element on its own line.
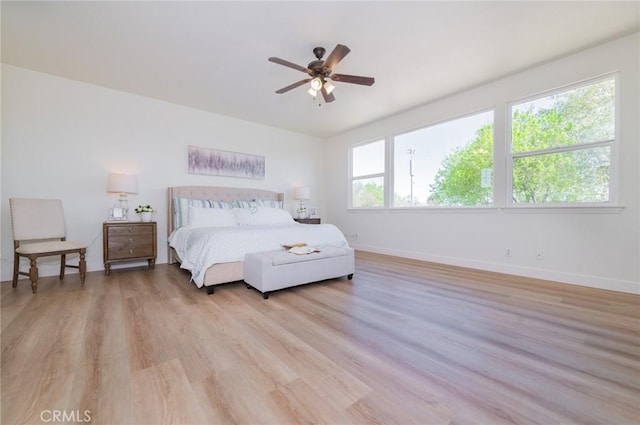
<point x="302" y="192"/>
<point x="316" y="83"/>
<point x="329" y="87"/>
<point x="122" y="183"/>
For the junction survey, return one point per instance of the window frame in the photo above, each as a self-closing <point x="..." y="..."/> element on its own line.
<point x="383" y="174"/>
<point x="611" y="143"/>
<point x="503" y="157"/>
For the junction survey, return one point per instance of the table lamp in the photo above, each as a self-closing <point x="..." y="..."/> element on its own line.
<point x="122" y="184"/>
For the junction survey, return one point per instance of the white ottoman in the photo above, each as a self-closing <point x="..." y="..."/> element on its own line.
<point x="272" y="270"/>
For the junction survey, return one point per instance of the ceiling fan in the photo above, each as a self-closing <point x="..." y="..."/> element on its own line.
<point x="320" y="70"/>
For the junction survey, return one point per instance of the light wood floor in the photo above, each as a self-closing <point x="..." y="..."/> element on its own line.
<point x="404" y="342"/>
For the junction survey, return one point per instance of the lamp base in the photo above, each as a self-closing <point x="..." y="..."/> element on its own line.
<point x="302" y="210"/>
<point x="124" y="204"/>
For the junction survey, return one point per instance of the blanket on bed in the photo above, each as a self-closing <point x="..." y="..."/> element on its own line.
<point x="201" y="247"/>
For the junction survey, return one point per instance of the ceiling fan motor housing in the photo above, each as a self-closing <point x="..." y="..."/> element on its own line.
<point x="316" y="67"/>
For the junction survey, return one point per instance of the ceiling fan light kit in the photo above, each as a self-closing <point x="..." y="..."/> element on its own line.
<point x="329" y="87"/>
<point x="320" y="70"/>
<point x="316" y="83"/>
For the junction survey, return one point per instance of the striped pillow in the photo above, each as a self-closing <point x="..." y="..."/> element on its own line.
<point x="220" y="204"/>
<point x="243" y="204"/>
<point x="271" y="203"/>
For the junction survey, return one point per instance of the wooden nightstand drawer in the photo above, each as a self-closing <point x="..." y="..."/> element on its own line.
<point x="314" y="220"/>
<point x="127" y="242"/>
<point x="122" y="253"/>
<point x="118" y="242"/>
<point x="122" y="230"/>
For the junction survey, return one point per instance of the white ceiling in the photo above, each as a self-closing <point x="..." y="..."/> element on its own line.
<point x="213" y="55"/>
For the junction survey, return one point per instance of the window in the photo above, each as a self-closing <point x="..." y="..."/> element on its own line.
<point x="367" y="175"/>
<point x="561" y="146"/>
<point x="448" y="164"/>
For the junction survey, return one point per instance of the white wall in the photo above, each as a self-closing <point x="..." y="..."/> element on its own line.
<point x="60" y="139"/>
<point x="593" y="249"/>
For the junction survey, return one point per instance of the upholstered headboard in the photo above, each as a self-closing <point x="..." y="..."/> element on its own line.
<point x="213" y="193"/>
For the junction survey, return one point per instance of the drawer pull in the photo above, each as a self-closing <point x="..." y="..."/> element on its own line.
<point x="130" y="239"/>
<point x="130" y="230"/>
<point x="131" y="251"/>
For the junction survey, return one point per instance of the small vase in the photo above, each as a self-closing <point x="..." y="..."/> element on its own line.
<point x="145" y="216"/>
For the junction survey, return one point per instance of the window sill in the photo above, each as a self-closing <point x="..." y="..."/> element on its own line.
<point x="398" y="210"/>
<point x="530" y="209"/>
<point x="534" y="209"/>
<point x="367" y="210"/>
<point x="486" y="209"/>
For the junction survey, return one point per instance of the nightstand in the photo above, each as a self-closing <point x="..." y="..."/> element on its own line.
<point x="128" y="241"/>
<point x="315" y="220"/>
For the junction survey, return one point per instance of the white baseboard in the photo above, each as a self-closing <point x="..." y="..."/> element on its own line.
<point x="537" y="273"/>
<point x="47" y="270"/>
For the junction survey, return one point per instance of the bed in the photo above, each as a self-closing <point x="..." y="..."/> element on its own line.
<point x="216" y="255"/>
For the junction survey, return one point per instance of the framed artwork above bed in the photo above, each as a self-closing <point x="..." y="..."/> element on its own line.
<point x="225" y="163"/>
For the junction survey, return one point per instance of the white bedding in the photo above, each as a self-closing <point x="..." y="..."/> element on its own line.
<point x="201" y="247"/>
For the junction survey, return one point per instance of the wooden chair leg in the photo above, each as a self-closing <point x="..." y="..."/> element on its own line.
<point x="63" y="265"/>
<point x="33" y="275"/>
<point x="16" y="268"/>
<point x="83" y="267"/>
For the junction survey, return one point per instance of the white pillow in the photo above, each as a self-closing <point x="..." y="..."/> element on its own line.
<point x="182" y="208"/>
<point x="262" y="216"/>
<point x="211" y="217"/>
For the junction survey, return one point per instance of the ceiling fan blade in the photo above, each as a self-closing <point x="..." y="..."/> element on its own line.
<point x="293" y="86"/>
<point x="328" y="97"/>
<point x="289" y="64"/>
<point x="353" y="79"/>
<point x="336" y="55"/>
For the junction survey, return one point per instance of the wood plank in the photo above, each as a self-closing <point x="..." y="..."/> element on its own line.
<point x="403" y="342"/>
<point x="163" y="395"/>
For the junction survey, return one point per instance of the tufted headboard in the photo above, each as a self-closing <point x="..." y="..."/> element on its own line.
<point x="215" y="193"/>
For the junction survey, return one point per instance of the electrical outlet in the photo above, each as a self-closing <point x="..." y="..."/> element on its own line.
<point x="539" y="255"/>
<point x="507" y="252"/>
